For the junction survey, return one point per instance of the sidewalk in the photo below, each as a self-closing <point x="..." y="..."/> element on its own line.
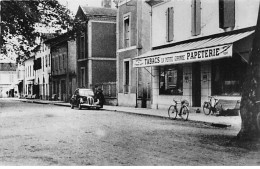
<point x="219" y="121"/>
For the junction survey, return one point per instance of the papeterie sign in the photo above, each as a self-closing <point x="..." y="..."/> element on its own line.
<point x="185" y="57"/>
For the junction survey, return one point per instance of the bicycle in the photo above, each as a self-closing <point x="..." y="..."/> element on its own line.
<point x="208" y="108"/>
<point x="184" y="110"/>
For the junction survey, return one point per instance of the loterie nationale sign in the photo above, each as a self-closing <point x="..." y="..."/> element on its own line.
<point x="185" y="57"/>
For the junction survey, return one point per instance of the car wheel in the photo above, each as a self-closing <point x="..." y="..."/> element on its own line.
<point x="79" y="106"/>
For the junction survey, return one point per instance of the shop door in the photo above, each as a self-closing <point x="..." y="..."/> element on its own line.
<point x="196" y="85"/>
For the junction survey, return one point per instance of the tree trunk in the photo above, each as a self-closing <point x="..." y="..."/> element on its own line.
<point x="251" y="91"/>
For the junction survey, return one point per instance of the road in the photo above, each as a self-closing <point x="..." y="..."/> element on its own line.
<point x="36" y="134"/>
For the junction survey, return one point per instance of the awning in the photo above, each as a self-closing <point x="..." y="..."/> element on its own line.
<point x="201" y="50"/>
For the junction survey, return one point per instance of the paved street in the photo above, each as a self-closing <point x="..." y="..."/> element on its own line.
<point x="41" y="134"/>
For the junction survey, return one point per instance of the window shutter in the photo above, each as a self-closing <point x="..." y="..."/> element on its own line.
<point x="226" y="13"/>
<point x="196" y="17"/>
<point x="169" y="24"/>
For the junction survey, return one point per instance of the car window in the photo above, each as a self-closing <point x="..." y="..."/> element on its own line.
<point x="86" y="92"/>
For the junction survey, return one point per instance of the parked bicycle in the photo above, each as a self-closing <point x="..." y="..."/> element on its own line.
<point x="183" y="112"/>
<point x="212" y="106"/>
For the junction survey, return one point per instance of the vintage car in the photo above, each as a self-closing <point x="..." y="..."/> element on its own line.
<point x="85" y="98"/>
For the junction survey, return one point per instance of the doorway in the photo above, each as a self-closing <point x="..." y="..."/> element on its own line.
<point x="196" y="84"/>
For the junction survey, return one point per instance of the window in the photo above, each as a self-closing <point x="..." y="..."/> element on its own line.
<point x="196" y="17"/>
<point x="126" y="76"/>
<point x="227" y="76"/>
<point x="169" y="24"/>
<point x="226" y="14"/>
<point x="49" y="59"/>
<point x="59" y="62"/>
<point x="171" y="80"/>
<point x="42" y="63"/>
<point x="82" y="77"/>
<point x="127" y="31"/>
<point x="63" y="59"/>
<point x="46" y="60"/>
<point x="82" y="47"/>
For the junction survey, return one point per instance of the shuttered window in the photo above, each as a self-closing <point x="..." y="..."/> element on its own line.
<point x="127" y="31"/>
<point x="169" y="24"/>
<point x="226" y="14"/>
<point x="196" y="17"/>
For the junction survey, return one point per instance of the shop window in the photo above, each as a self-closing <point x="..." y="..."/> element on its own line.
<point x="196" y="17"/>
<point x="169" y="24"/>
<point x="171" y="80"/>
<point x="227" y="76"/>
<point x="226" y="14"/>
<point x="127" y="31"/>
<point x="126" y="76"/>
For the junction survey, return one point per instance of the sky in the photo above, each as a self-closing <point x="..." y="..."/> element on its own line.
<point x="74" y="4"/>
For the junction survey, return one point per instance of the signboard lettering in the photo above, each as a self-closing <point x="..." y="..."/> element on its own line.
<point x="185" y="57"/>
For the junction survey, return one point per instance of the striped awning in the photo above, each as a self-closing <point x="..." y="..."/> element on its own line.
<point x="195" y="51"/>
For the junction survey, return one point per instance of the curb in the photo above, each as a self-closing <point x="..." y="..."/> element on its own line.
<point x="218" y="125"/>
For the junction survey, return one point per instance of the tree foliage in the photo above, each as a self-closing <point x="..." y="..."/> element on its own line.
<point x="20" y="18"/>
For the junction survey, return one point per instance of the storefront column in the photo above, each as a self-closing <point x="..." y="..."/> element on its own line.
<point x="155" y="87"/>
<point x="205" y="81"/>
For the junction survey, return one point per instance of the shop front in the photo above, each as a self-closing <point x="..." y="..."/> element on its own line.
<point x="197" y="68"/>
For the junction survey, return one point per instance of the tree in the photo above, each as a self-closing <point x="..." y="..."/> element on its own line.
<point x="19" y="21"/>
<point x="251" y="91"/>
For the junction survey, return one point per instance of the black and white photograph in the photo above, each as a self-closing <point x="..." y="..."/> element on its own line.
<point x="129" y="83"/>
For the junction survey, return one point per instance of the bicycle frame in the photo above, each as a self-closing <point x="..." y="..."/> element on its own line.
<point x="208" y="105"/>
<point x="183" y="112"/>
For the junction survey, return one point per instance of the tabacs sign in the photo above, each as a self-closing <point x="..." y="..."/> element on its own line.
<point x="185" y="57"/>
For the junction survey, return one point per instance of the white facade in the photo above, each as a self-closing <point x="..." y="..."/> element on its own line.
<point x="246" y="13"/>
<point x="245" y="16"/>
<point x="42" y="75"/>
<point x="29" y="76"/>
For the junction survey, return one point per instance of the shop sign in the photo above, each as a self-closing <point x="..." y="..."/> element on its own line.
<point x="185" y="57"/>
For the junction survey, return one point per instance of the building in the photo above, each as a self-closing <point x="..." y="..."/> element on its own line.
<point x="133" y="39"/>
<point x="7" y="77"/>
<point x="96" y="50"/>
<point x="63" y="67"/>
<point x="20" y="75"/>
<point x="42" y="67"/>
<point x="200" y="52"/>
<point x="30" y="86"/>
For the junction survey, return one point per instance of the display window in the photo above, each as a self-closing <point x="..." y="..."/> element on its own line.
<point x="228" y="75"/>
<point x="171" y="80"/>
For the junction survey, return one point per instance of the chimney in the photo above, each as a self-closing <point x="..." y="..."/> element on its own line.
<point x="106" y="3"/>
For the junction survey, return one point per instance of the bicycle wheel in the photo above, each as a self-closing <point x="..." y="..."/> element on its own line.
<point x="258" y="121"/>
<point x="206" y="108"/>
<point x="185" y="112"/>
<point x="172" y="112"/>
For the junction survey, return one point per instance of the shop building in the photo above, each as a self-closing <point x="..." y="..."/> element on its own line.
<point x="200" y="52"/>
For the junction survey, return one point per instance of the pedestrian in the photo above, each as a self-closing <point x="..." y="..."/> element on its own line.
<point x="99" y="95"/>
